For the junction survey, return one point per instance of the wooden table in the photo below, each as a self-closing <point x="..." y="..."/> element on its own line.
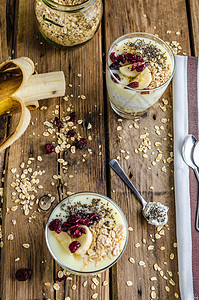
<point x="174" y="20"/>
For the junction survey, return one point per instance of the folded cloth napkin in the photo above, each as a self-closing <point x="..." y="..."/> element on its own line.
<point x="185" y="109"/>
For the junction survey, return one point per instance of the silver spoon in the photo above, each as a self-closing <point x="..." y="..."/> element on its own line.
<point x="187" y="154"/>
<point x="196" y="154"/>
<point x="154" y="212"/>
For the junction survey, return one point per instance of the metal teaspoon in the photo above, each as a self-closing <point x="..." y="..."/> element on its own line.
<point x="147" y="207"/>
<point x="187" y="154"/>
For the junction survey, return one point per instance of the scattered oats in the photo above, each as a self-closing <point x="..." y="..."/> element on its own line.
<point x="176" y="295"/>
<point x="129" y="283"/>
<point x="56" y="286"/>
<point x="69" y="278"/>
<point x="127" y="157"/>
<point x="167" y="288"/>
<point x="151" y="188"/>
<point x="170" y="273"/>
<point x="95" y="281"/>
<point x="141" y="263"/>
<point x="151" y="247"/>
<point x="39" y="158"/>
<point x="171" y="256"/>
<point x="17" y="259"/>
<point x="89" y="126"/>
<point x="145" y="155"/>
<point x="74" y="287"/>
<point x="155" y="266"/>
<point x="13" y="170"/>
<point x="137" y="245"/>
<point x="14" y="208"/>
<point x="144" y="241"/>
<point x="162" y="248"/>
<point x="153" y="294"/>
<point x="10" y="237"/>
<point x="132" y="260"/>
<point x="168" y="31"/>
<point x="175" y="245"/>
<point x="119" y="128"/>
<point x="85" y="283"/>
<point x="172" y="282"/>
<point x="26" y="246"/>
<point x="153" y="288"/>
<point x="130" y="126"/>
<point x="157" y="236"/>
<point x="161" y="273"/>
<point x="60" y="274"/>
<point x="120" y="120"/>
<point x="169" y="159"/>
<point x="153" y="278"/>
<point x="136" y="126"/>
<point x="47" y="283"/>
<point x="177" y="32"/>
<point x="93" y="286"/>
<point x="136" y="150"/>
<point x="130" y="228"/>
<point x="104" y="283"/>
<point x="164" y="169"/>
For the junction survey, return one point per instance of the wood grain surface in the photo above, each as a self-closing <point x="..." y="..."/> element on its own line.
<point x="20" y="37"/>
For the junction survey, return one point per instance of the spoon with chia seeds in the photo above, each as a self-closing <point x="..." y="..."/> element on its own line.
<point x="154" y="212"/>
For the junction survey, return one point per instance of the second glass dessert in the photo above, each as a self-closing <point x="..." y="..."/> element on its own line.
<point x="86" y="233"/>
<point x="139" y="69"/>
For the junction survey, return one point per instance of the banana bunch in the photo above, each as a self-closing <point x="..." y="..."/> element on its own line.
<point x="20" y="90"/>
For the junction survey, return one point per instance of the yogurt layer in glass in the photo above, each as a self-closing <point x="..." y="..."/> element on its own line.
<point x="138" y="70"/>
<point x="86" y="233"/>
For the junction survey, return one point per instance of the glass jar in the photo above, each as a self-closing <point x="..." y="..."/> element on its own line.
<point x="68" y="25"/>
<point x="128" y="101"/>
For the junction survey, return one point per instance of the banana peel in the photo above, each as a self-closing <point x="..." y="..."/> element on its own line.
<point x="21" y="89"/>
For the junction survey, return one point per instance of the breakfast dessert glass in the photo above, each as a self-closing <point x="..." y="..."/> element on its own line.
<point x="108" y="231"/>
<point x="148" y="53"/>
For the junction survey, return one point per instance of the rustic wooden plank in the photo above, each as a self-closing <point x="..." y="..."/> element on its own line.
<point x="89" y="175"/>
<point x="194" y="18"/>
<point x="154" y="17"/>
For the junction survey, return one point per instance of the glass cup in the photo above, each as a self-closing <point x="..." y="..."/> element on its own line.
<point x="129" y="102"/>
<point x="68" y="25"/>
<point x="58" y="258"/>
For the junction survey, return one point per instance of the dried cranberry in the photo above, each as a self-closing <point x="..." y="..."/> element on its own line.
<point x="71" y="133"/>
<point x="82" y="230"/>
<point x="117" y="76"/>
<point x="74" y="246"/>
<point x="121" y="58"/>
<point x="81" y="143"/>
<point x="113" y="57"/>
<point x="93" y="216"/>
<point x="86" y="221"/>
<point x="139" y="58"/>
<point x="142" y="67"/>
<point x="73" y="219"/>
<point x="73" y="227"/>
<point x="65" y="226"/>
<point x="23" y="274"/>
<point x="134" y="84"/>
<point x="59" y="123"/>
<point x="131" y="58"/>
<point x="115" y="66"/>
<point x="55" y="225"/>
<point x="75" y="233"/>
<point x="134" y="66"/>
<point x="72" y="117"/>
<point x="50" y="148"/>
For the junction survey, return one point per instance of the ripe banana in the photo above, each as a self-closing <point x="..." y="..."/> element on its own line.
<point x="144" y="79"/>
<point x="127" y="71"/>
<point x="19" y="89"/>
<point x="85" y="240"/>
<point x="64" y="239"/>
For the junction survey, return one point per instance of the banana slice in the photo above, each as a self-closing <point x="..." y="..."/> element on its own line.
<point x="85" y="240"/>
<point x="144" y="78"/>
<point x="127" y="71"/>
<point x="64" y="239"/>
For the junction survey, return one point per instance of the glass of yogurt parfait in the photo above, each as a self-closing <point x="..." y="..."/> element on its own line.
<point x="139" y="69"/>
<point x="86" y="233"/>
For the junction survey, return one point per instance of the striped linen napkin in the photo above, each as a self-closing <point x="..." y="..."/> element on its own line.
<point x="185" y="109"/>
